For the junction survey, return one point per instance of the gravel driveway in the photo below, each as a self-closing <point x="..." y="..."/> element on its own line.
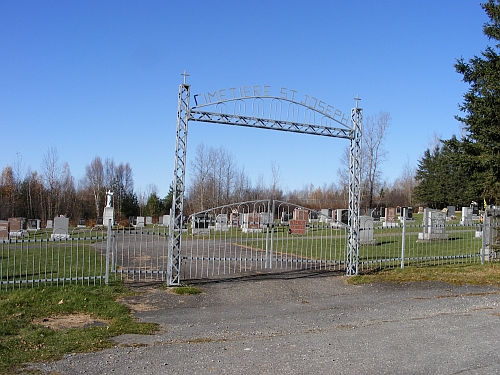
<point x="305" y="323"/>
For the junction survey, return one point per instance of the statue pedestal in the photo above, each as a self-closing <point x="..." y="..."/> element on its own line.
<point x="109" y="214"/>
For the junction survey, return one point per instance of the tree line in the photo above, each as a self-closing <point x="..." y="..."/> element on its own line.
<point x="53" y="191"/>
<point x="215" y="180"/>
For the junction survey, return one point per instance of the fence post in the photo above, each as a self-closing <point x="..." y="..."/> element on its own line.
<point x="403" y="214"/>
<point x="270" y="216"/>
<point x="108" y="250"/>
<point x="483" y="235"/>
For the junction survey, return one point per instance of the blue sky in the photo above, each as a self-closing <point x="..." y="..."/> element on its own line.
<point x="100" y="78"/>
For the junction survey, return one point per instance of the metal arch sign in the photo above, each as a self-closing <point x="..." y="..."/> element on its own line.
<point x="259" y="106"/>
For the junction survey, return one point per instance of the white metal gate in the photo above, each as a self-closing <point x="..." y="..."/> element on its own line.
<point x="261" y="236"/>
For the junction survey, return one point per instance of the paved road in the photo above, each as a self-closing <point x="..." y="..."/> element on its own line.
<point x="306" y="323"/>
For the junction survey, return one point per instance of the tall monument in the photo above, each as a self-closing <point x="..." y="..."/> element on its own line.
<point x="109" y="211"/>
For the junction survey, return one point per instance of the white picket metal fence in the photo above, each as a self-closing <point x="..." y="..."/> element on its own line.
<point x="234" y="240"/>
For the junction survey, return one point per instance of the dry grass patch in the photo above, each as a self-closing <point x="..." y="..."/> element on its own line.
<point x="70" y="321"/>
<point x="474" y="274"/>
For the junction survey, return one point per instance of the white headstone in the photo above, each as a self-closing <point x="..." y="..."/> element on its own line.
<point x="326" y="215"/>
<point x="140" y="221"/>
<point x="61" y="227"/>
<point x="221" y="222"/>
<point x="434" y="225"/>
<point x="466" y="219"/>
<point x="265" y="219"/>
<point x="108" y="214"/>
<point x="366" y="230"/>
<point x="166" y="220"/>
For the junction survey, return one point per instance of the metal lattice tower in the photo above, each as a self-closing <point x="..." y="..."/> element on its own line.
<point x="354" y="191"/>
<point x="176" y="214"/>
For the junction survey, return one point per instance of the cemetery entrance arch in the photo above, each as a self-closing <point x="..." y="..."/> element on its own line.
<point x="262" y="107"/>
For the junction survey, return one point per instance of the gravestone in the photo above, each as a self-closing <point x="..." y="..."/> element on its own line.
<point x="265" y="219"/>
<point x="221" y="223"/>
<point x="165" y="220"/>
<point x="390" y="218"/>
<point x="200" y="225"/>
<point x="149" y="220"/>
<point x="4" y="230"/>
<point x="301" y="214"/>
<point x="234" y="219"/>
<point x="61" y="228"/>
<point x="108" y="214"/>
<point x="450" y="213"/>
<point x="366" y="231"/>
<point x="17" y="226"/>
<point x="49" y="225"/>
<point x="420" y="210"/>
<point x="407" y="211"/>
<point x="434" y="226"/>
<point x="313" y="217"/>
<point x="475" y="212"/>
<point x="466" y="219"/>
<point x="491" y="224"/>
<point x="34" y="224"/>
<point x="251" y="223"/>
<point x="326" y="215"/>
<point x="286" y="217"/>
<point x="82" y="223"/>
<point x="298" y="225"/>
<point x="99" y="221"/>
<point x="140" y="221"/>
<point x="382" y="212"/>
<point x="341" y="218"/>
<point x="375" y="214"/>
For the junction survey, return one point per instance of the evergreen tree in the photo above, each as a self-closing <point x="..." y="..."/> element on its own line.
<point x="154" y="206"/>
<point x="167" y="201"/>
<point x="480" y="145"/>
<point x="442" y="178"/>
<point x="130" y="205"/>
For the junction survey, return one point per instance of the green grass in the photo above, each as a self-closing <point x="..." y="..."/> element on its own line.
<point x="331" y="244"/>
<point x="23" y="341"/>
<point x="186" y="290"/>
<point x="458" y="274"/>
<point x="51" y="260"/>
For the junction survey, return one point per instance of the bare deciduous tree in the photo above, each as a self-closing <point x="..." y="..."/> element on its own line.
<point x="94" y="181"/>
<point x="372" y="155"/>
<point x="51" y="174"/>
